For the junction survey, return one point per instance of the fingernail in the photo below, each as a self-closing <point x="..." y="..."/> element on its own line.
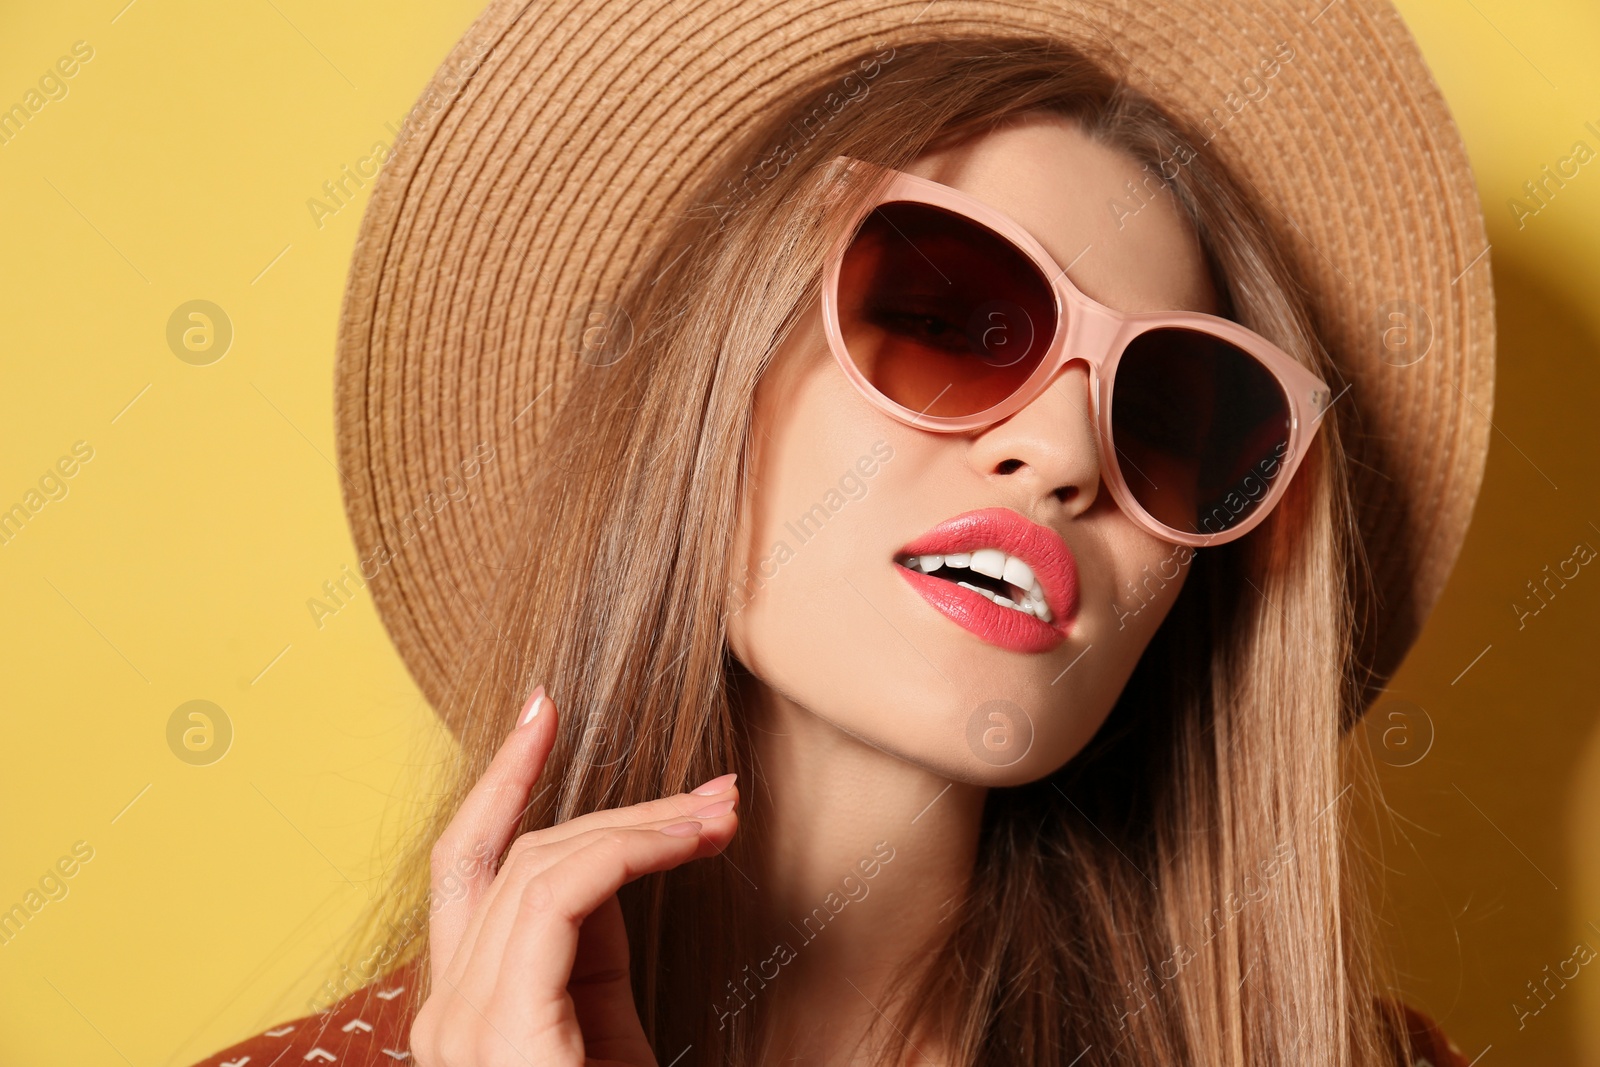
<point x="716" y="785"/>
<point x="711" y="811"/>
<point x="681" y="829"/>
<point x="536" y="703"/>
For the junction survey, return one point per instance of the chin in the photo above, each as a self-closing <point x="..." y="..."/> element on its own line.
<point x="925" y="692"/>
<point x="978" y="734"/>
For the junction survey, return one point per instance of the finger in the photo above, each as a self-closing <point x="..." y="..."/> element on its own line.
<point x="718" y="818"/>
<point x="543" y="941"/>
<point x="483" y="825"/>
<point x="678" y="806"/>
<point x="712" y="800"/>
<point x="478" y="960"/>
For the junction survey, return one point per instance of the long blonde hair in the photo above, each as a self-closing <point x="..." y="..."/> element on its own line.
<point x="1178" y="892"/>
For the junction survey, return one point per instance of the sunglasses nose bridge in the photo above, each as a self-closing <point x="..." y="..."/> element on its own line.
<point x="1088" y="334"/>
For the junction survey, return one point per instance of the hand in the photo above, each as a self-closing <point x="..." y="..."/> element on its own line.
<point x="530" y="963"/>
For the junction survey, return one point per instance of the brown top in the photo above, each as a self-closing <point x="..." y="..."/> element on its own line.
<point x="371" y="1027"/>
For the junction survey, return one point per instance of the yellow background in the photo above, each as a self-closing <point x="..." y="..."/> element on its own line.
<point x="178" y="564"/>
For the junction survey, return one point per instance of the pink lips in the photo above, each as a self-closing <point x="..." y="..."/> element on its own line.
<point x="1041" y="548"/>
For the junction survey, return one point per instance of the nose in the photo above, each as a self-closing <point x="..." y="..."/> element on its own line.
<point x="1048" y="452"/>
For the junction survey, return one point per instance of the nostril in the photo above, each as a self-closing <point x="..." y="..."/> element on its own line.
<point x="1066" y="493"/>
<point x="1010" y="466"/>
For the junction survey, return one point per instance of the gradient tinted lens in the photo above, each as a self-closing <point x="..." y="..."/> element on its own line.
<point x="1201" y="429"/>
<point x="941" y="314"/>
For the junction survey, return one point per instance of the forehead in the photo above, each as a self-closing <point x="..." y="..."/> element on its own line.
<point x="1099" y="212"/>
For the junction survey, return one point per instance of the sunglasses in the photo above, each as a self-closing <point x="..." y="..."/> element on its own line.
<point x="949" y="316"/>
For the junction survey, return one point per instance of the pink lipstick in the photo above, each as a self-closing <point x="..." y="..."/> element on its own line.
<point x="1011" y="582"/>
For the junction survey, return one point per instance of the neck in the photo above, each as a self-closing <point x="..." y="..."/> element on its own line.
<point x="860" y="856"/>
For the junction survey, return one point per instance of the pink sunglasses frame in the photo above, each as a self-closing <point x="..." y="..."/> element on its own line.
<point x="1085" y="330"/>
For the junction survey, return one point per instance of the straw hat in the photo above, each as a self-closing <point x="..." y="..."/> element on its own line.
<point x="559" y="138"/>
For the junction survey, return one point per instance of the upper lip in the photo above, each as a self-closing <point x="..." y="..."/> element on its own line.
<point x="1041" y="548"/>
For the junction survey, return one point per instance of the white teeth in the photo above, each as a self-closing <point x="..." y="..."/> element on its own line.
<point x="994" y="564"/>
<point x="989" y="561"/>
<point x="1017" y="573"/>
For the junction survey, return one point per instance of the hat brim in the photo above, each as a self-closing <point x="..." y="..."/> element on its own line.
<point x="557" y="140"/>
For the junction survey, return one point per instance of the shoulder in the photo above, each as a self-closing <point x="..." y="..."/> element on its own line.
<point x="370" y="1026"/>
<point x="1429" y="1045"/>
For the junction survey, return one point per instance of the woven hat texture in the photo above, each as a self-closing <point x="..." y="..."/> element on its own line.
<point x="559" y="139"/>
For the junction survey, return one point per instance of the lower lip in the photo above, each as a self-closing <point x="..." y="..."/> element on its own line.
<point x="1006" y="628"/>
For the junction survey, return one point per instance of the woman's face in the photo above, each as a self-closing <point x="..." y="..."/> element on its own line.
<point x="828" y="616"/>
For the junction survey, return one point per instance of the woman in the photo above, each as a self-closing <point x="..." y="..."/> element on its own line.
<point x="938" y="584"/>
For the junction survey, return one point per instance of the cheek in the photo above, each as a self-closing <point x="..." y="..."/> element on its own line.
<point x="1149" y="575"/>
<point x="817" y="461"/>
<point x="813" y="591"/>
